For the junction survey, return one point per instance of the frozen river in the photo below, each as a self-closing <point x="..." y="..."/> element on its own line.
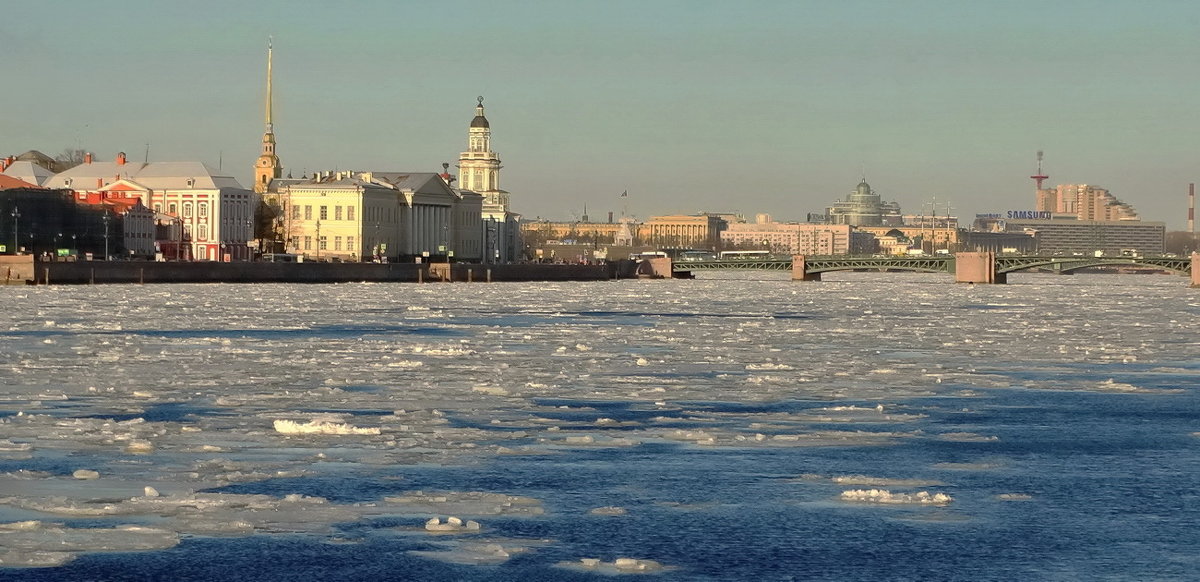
<point x="738" y="427"/>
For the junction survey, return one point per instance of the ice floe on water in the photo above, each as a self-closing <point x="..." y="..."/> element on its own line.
<point x="617" y="566"/>
<point x="171" y="414"/>
<point x="318" y="427"/>
<point x="26" y="543"/>
<point x="871" y="481"/>
<point x="886" y="497"/>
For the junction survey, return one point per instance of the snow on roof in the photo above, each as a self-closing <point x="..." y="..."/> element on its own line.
<point x="29" y="172"/>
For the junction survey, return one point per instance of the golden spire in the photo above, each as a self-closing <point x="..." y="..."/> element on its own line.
<point x="269" y="43"/>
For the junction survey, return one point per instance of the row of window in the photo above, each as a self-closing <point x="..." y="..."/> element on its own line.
<point x="322" y="212"/>
<point x="323" y="243"/>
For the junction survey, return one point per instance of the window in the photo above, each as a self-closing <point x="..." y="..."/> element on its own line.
<point x="337" y="243"/>
<point x="307" y="212"/>
<point x="350" y="241"/>
<point x="295" y="213"/>
<point x="203" y="209"/>
<point x="324" y="213"/>
<point x="349" y="213"/>
<point x="187" y="209"/>
<point x="337" y="212"/>
<point x="202" y="231"/>
<point x="158" y="206"/>
<point x="321" y="243"/>
<point x="308" y="243"/>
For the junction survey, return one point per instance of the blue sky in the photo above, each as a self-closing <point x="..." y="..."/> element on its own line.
<point x="690" y="105"/>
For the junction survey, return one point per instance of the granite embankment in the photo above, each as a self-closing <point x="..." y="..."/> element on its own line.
<point x="99" y="272"/>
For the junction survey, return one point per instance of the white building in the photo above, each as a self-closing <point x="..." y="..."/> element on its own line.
<point x="354" y="216"/>
<point x="216" y="213"/>
<point x="479" y="171"/>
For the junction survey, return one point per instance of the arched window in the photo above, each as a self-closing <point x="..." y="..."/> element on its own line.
<point x="187" y="209"/>
<point x="202" y="207"/>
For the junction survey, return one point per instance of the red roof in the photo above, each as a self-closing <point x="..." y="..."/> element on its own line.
<point x="9" y="182"/>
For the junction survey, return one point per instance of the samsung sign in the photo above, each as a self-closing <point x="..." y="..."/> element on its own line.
<point x="1028" y="215"/>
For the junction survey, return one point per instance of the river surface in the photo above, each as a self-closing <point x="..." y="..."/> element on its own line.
<point x="736" y="427"/>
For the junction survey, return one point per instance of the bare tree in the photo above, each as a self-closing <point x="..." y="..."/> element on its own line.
<point x="69" y="158"/>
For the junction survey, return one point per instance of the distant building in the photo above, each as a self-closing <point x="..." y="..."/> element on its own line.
<point x="797" y="239"/>
<point x="479" y="171"/>
<point x="215" y="212"/>
<point x="863" y="207"/>
<point x="1085" y="202"/>
<point x="25" y="171"/>
<point x="353" y="216"/>
<point x="696" y="231"/>
<point x="927" y="239"/>
<point x="1111" y="237"/>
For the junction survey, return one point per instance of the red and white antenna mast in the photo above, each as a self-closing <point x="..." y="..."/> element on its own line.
<point x="1040" y="177"/>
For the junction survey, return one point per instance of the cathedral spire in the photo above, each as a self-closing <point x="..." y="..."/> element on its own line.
<point x="270" y="42"/>
<point x="267" y="168"/>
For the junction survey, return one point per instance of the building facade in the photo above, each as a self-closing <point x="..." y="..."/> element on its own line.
<point x="1084" y="202"/>
<point x="479" y="172"/>
<point x="1110" y="237"/>
<point x="354" y="216"/>
<point x="214" y="212"/>
<point x="864" y="207"/>
<point x="797" y="239"/>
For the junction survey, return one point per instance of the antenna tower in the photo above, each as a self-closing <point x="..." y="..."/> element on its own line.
<point x="1041" y="176"/>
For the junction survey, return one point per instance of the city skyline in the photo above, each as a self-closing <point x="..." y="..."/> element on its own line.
<point x="689" y="106"/>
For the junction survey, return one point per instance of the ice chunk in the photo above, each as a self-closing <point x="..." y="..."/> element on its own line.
<point x="318" y="427"/>
<point x="887" y="497"/>
<point x="85" y="474"/>
<point x="608" y="510"/>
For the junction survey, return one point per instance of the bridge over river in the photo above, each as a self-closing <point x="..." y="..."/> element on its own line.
<point x="969" y="267"/>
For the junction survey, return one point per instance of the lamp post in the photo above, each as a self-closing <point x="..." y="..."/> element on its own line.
<point x="104" y="217"/>
<point x="16" y="213"/>
<point x="318" y="240"/>
<point x="55" y="249"/>
<point x="74" y="247"/>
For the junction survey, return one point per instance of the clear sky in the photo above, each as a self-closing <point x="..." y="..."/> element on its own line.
<point x="690" y="105"/>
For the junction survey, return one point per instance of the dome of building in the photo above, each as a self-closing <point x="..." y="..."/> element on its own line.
<point x="479" y="121"/>
<point x="864" y="188"/>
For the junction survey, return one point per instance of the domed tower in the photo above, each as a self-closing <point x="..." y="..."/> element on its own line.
<point x="865" y="206"/>
<point x="267" y="168"/>
<point x="479" y="166"/>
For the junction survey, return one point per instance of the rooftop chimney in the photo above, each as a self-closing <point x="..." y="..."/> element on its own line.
<point x="121" y="159"/>
<point x="87" y="157"/>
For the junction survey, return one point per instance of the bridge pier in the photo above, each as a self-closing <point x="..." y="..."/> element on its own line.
<point x="977" y="267"/>
<point x="1195" y="269"/>
<point x="800" y="270"/>
<point x="655" y="268"/>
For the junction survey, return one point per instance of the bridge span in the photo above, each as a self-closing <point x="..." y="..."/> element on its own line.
<point x="967" y="267"/>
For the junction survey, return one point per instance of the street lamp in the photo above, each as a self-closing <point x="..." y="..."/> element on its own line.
<point x="318" y="240"/>
<point x="74" y="250"/>
<point x="104" y="217"/>
<point x="16" y="213"/>
<point x="56" y="238"/>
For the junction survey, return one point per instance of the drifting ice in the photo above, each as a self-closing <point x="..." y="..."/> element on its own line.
<point x="885" y="496"/>
<point x="316" y="427"/>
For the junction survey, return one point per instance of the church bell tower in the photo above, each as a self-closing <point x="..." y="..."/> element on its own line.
<point x="267" y="167"/>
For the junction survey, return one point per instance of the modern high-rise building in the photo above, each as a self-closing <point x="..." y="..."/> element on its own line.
<point x="267" y="168"/>
<point x="1085" y="201"/>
